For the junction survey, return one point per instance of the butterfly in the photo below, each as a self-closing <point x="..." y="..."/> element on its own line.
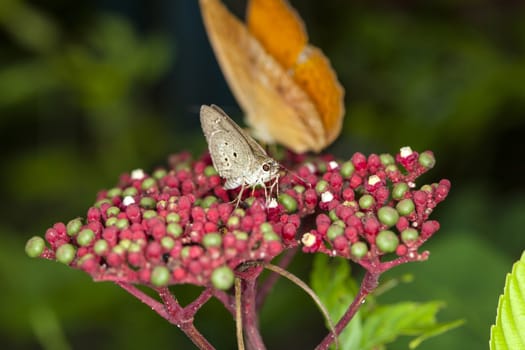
<point x="236" y="156"/>
<point x="286" y="87"/>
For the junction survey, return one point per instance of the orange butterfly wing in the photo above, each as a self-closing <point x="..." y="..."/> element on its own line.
<point x="278" y="28"/>
<point x="282" y="32"/>
<point x="283" y="103"/>
<point x="315" y="75"/>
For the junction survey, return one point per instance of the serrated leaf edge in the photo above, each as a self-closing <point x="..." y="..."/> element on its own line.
<point x="507" y="332"/>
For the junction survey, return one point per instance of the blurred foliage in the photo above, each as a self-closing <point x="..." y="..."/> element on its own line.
<point x="89" y="90"/>
<point x="332" y="281"/>
<point x="375" y="325"/>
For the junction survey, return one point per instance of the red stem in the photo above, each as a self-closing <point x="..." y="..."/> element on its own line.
<point x="175" y="311"/>
<point x="202" y="299"/>
<point x="404" y="259"/>
<point x="172" y="312"/>
<point x="183" y="317"/>
<point x="249" y="317"/>
<point x="146" y="299"/>
<point x="369" y="283"/>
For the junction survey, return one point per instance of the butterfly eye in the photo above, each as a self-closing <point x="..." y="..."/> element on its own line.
<point x="266" y="167"/>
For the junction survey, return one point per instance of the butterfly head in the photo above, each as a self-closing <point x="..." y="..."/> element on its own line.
<point x="268" y="170"/>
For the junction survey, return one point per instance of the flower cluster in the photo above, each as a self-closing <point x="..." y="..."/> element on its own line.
<point x="370" y="207"/>
<point x="179" y="225"/>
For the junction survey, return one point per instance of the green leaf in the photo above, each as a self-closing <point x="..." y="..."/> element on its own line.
<point x="432" y="332"/>
<point x="508" y="333"/>
<point x="385" y="323"/>
<point x="331" y="280"/>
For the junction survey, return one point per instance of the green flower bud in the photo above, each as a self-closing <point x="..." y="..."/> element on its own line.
<point x="334" y="231"/>
<point x="388" y="216"/>
<point x="148" y="183"/>
<point x="299" y="188"/>
<point x="102" y="201"/>
<point x="347" y="169"/>
<point x="185" y="252"/>
<point x="239" y="212"/>
<point x="321" y="186"/>
<point x="112" y="221"/>
<point x="125" y="244"/>
<point x="241" y="235"/>
<point x="233" y="221"/>
<point x="130" y="191"/>
<point x="289" y="203"/>
<point x="366" y="201"/>
<point x="426" y="188"/>
<point x="35" y="246"/>
<point x="266" y="227"/>
<point x="172" y="217"/>
<point x="386" y="159"/>
<point x="208" y="201"/>
<point x="160" y="276"/>
<point x="85" y="237"/>
<point x="66" y="253"/>
<point x="147" y="203"/>
<point x="391" y="168"/>
<point x="159" y="173"/>
<point x="409" y="235"/>
<point x="114" y="192"/>
<point x="122" y="223"/>
<point x="149" y="214"/>
<point x="209" y="171"/>
<point x="174" y="229"/>
<point x="101" y="247"/>
<point x="134" y="247"/>
<point x="399" y="190"/>
<point x="427" y="160"/>
<point x="73" y="227"/>
<point x="271" y="236"/>
<point x="405" y="207"/>
<point x="167" y="242"/>
<point x="112" y="211"/>
<point x="387" y="241"/>
<point x="222" y="278"/>
<point x="359" y="249"/>
<point x="212" y="239"/>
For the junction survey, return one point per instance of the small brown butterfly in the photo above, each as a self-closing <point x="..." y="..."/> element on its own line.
<point x="236" y="156"/>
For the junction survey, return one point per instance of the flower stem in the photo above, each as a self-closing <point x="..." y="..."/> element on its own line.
<point x="202" y="299"/>
<point x="146" y="299"/>
<point x="369" y="283"/>
<point x="196" y="337"/>
<point x="183" y="317"/>
<point x="172" y="312"/>
<point x="251" y="323"/>
<point x="238" y="314"/>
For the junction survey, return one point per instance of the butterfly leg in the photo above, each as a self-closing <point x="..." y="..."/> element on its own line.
<point x="266" y="197"/>
<point x="239" y="196"/>
<point x="275" y="184"/>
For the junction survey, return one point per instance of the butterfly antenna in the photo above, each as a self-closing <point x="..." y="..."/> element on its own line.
<point x="295" y="175"/>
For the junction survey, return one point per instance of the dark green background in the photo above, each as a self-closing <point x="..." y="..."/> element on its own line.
<point x="90" y="89"/>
